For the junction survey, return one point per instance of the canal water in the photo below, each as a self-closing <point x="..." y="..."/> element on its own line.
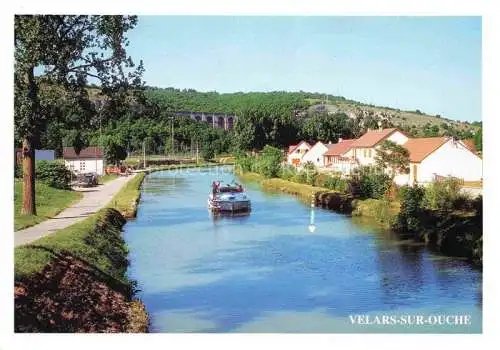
<point x="267" y="272"/>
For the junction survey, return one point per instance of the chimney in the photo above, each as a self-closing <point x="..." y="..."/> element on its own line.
<point x="340" y="139"/>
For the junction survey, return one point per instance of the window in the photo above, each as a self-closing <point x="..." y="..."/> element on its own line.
<point x="82" y="165"/>
<point x="364" y="153"/>
<point x="317" y="160"/>
<point x="369" y="153"/>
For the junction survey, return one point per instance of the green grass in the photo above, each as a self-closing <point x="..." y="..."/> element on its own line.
<point x="73" y="240"/>
<point x="377" y="209"/>
<point x="49" y="202"/>
<point x="106" y="178"/>
<point x="303" y="191"/>
<point x="125" y="201"/>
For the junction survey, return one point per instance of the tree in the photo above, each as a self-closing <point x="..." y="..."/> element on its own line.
<point x="54" y="58"/>
<point x="114" y="152"/>
<point x="478" y="139"/>
<point x="269" y="161"/>
<point x="393" y="156"/>
<point x="207" y="152"/>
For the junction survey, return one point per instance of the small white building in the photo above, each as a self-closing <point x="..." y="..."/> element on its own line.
<point x="89" y="160"/>
<point x="316" y="153"/>
<point x="297" y="152"/>
<point x="433" y="157"/>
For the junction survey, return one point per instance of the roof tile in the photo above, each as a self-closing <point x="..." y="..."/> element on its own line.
<point x="89" y="152"/>
<point x="339" y="148"/>
<point x="372" y="137"/>
<point x="420" y="148"/>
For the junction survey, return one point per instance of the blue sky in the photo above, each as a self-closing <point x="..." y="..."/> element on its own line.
<point x="427" y="63"/>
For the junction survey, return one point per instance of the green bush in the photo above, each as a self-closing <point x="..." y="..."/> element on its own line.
<point x="370" y="183"/>
<point x="335" y="183"/>
<point x="245" y="163"/>
<point x="300" y="177"/>
<point x="269" y="161"/>
<point x="410" y="213"/>
<point x="443" y="196"/>
<point x="53" y="174"/>
<point x="401" y="192"/>
<point x="287" y="172"/>
<point x="309" y="173"/>
<point x="207" y="152"/>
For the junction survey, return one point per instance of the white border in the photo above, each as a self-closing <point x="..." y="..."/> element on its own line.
<point x="491" y="90"/>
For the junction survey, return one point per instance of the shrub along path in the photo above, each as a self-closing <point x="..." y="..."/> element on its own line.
<point x="94" y="199"/>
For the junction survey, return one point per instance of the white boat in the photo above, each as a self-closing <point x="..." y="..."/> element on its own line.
<point x="229" y="199"/>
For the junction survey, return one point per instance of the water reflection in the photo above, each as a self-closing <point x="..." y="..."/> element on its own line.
<point x="266" y="272"/>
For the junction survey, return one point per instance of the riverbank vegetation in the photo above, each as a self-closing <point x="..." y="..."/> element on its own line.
<point x="444" y="218"/>
<point x="127" y="199"/>
<point x="50" y="202"/>
<point x="74" y="280"/>
<point x="440" y="215"/>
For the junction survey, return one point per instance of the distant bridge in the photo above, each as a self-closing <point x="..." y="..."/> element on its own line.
<point x="216" y="120"/>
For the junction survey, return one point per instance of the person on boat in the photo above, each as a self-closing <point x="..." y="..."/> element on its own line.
<point x="215" y="187"/>
<point x="239" y="187"/>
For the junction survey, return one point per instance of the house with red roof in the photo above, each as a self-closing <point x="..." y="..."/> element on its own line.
<point x="339" y="157"/>
<point x="316" y="154"/>
<point x="297" y="152"/>
<point x="431" y="158"/>
<point x="436" y="157"/>
<point x="364" y="149"/>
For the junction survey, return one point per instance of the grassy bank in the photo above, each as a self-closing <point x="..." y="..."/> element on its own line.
<point x="126" y="200"/>
<point x="75" y="279"/>
<point x="49" y="202"/>
<point x="323" y="197"/>
<point x="382" y="211"/>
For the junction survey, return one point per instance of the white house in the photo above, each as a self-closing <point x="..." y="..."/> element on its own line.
<point x="315" y="154"/>
<point x="296" y="152"/>
<point x="339" y="157"/>
<point x="431" y="157"/>
<point x="90" y="160"/>
<point x="364" y="149"/>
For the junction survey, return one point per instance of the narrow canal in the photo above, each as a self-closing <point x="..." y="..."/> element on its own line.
<point x="267" y="272"/>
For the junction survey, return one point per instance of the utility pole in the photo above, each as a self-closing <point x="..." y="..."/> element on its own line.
<point x="100" y="139"/>
<point x="197" y="152"/>
<point x="173" y="136"/>
<point x="144" y="153"/>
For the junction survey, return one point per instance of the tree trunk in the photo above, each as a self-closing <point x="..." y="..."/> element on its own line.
<point x="28" y="178"/>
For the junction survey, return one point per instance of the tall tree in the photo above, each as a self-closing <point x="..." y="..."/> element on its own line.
<point x="393" y="156"/>
<point x="54" y="58"/>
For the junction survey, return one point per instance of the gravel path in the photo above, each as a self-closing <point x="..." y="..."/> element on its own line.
<point x="94" y="199"/>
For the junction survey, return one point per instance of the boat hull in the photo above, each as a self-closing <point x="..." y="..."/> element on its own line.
<point x="229" y="206"/>
<point x="230" y="202"/>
